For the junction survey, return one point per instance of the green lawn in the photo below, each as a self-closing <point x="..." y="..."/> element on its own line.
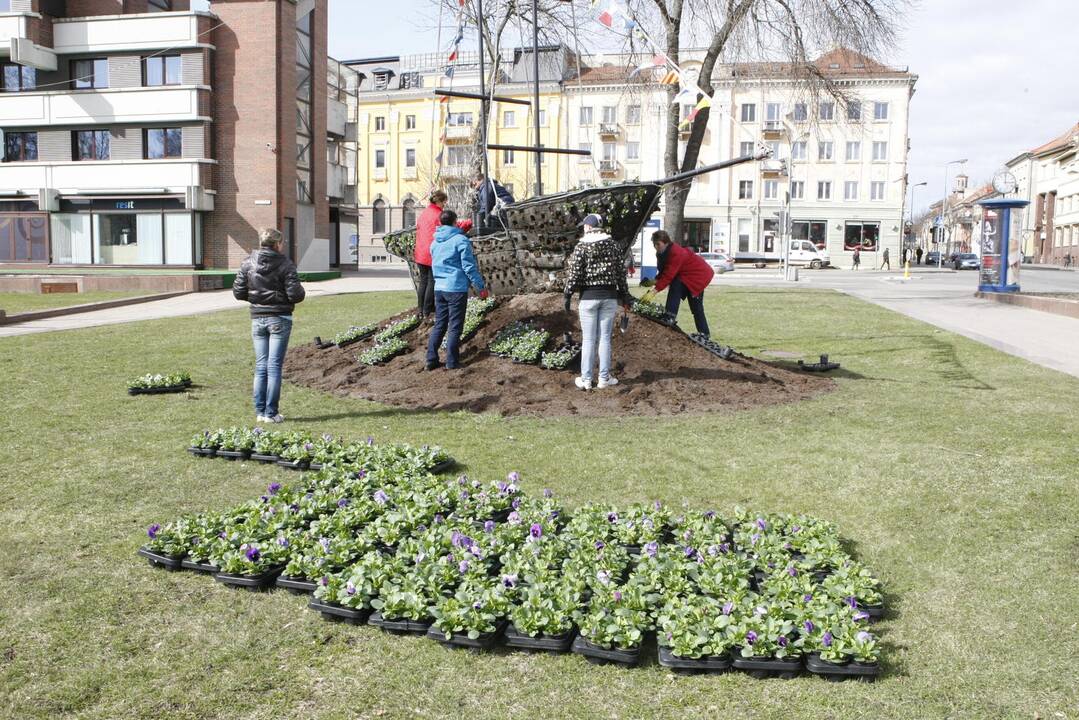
<point x="12" y="303"/>
<point x="951" y="466"/>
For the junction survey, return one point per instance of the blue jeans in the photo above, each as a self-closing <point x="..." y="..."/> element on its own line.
<point x="597" y="323"/>
<point x="449" y="321"/>
<point x="270" y="335"/>
<point x="676" y="293"/>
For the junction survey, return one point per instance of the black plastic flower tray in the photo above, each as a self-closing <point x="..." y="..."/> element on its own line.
<point x="314" y="467"/>
<point x="399" y="627"/>
<point x="259" y="457"/>
<point x="234" y="454"/>
<point x="165" y="389"/>
<point x="294" y="464"/>
<point x="761" y="668"/>
<point x="486" y="641"/>
<point x="202" y="452"/>
<point x="602" y="656"/>
<point x="443" y="466"/>
<point x="712" y="664"/>
<point x="295" y="585"/>
<point x="199" y="567"/>
<point x="339" y="613"/>
<point x="254" y="583"/>
<point x="853" y="670"/>
<point x="666" y="319"/>
<point x="723" y="352"/>
<point x="168" y="562"/>
<point x="875" y="612"/>
<point x="574" y="360"/>
<point x="822" y="366"/>
<point x="543" y="643"/>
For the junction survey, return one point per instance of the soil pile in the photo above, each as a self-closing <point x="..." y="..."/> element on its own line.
<point x="660" y="372"/>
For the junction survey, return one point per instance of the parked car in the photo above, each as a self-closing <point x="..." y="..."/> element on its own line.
<point x="803" y="252"/>
<point x="931" y="258"/>
<point x="720" y="262"/>
<point x="967" y="261"/>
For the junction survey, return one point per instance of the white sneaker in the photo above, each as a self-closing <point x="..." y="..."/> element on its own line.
<point x="262" y="419"/>
<point x="278" y="418"/>
<point x="609" y="382"/>
<point x="582" y="383"/>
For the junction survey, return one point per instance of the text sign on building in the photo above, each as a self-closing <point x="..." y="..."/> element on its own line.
<point x="125" y="204"/>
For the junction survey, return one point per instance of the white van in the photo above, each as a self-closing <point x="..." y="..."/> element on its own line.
<point x="803" y="252"/>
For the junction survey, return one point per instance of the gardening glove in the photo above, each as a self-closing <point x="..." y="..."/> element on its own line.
<point x="649" y="296"/>
<point x="484" y="294"/>
<point x="568" y="297"/>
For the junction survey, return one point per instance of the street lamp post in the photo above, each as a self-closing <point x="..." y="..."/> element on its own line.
<point x="944" y="209"/>
<point x="912" y="205"/>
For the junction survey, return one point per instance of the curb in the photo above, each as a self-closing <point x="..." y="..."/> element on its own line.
<point x="1056" y="306"/>
<point x="88" y="307"/>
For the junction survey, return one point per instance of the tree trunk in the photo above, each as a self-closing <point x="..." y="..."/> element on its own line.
<point x="674" y="196"/>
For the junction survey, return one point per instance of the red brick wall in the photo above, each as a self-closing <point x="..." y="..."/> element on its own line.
<point x="81" y="8"/>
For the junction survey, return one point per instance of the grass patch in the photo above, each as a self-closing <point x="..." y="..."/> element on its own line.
<point x="950" y="465"/>
<point x="12" y="303"/>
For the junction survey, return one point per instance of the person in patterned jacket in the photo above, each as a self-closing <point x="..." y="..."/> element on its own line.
<point x="597" y="271"/>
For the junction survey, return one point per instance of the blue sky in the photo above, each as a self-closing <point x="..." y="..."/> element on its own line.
<point x="992" y="82"/>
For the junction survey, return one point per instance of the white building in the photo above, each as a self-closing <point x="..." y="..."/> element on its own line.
<point x="1048" y="177"/>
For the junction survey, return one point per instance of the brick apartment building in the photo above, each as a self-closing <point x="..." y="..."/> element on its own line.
<point x="147" y="133"/>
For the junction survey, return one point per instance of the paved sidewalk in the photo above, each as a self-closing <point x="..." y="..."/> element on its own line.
<point x="207" y="302"/>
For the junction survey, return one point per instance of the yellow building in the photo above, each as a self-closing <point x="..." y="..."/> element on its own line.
<point x="402" y="123"/>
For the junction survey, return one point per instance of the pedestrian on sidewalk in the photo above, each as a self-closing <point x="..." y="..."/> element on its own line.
<point x="686" y="274"/>
<point x="918" y="254"/>
<point x="269" y="282"/>
<point x="596" y="269"/>
<point x="426" y="225"/>
<point x="454" y="270"/>
<point x="886" y="260"/>
<point x="856" y="259"/>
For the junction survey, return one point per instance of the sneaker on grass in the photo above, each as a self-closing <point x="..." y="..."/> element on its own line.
<point x="262" y="419"/>
<point x="582" y="383"/>
<point x="278" y="418"/>
<point x="609" y="382"/>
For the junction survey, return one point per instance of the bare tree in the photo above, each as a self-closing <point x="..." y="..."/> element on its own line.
<point x="784" y="35"/>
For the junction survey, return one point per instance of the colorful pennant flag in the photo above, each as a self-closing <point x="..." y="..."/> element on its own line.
<point x="453" y="55"/>
<point x="671" y="78"/>
<point x="606" y="18"/>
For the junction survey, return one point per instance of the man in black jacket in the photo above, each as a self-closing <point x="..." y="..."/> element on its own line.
<point x="268" y="280"/>
<point x="490" y="195"/>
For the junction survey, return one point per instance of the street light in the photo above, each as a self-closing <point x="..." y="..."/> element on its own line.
<point x="912" y="205"/>
<point x="944" y="209"/>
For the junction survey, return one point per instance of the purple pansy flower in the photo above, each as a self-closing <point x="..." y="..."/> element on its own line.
<point x="325" y="581"/>
<point x="477" y="605"/>
<point x="782" y="640"/>
<point x="370" y="440"/>
<point x="612" y="517"/>
<point x="253" y="554"/>
<point x="350" y="589"/>
<point x="863" y="637"/>
<point x="728" y="607"/>
<point x="513" y="518"/>
<point x="438" y="519"/>
<point x="604" y="577"/>
<point x="852" y="601"/>
<point x="600" y="545"/>
<point x="751" y="637"/>
<point x="861" y="615"/>
<point x="547" y="493"/>
<point x="708" y="515"/>
<point x="514" y="477"/>
<point x="809" y="626"/>
<point x="343" y="502"/>
<point x="713" y="550"/>
<point x="153" y="530"/>
<point x="274" y="488"/>
<point x="325" y="543"/>
<point x="283" y="542"/>
<point x="308" y="447"/>
<point x="651" y="549"/>
<point x="690" y="552"/>
<point x="516" y="503"/>
<point x="536" y="531"/>
<point x="761" y="525"/>
<point x="725" y="547"/>
<point x="807" y="597"/>
<point x="826" y="639"/>
<point x="657" y="505"/>
<point x="501" y="486"/>
<point x="509" y="580"/>
<point x="761" y="610"/>
<point x="463" y="495"/>
<point x="754" y="538"/>
<point x="462" y="480"/>
<point x="618" y="596"/>
<point x="462" y="566"/>
<point x="489" y="526"/>
<point x="792" y="571"/>
<point x="380" y="497"/>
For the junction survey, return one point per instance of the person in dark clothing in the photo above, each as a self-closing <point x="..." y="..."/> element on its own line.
<point x="426" y="225"/>
<point x="856" y="259"/>
<point x="455" y="269"/>
<point x="491" y="192"/>
<point x="886" y="260"/>
<point x="269" y="282"/>
<point x="918" y="255"/>
<point x="686" y="274"/>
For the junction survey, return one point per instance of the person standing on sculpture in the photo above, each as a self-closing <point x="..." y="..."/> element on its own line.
<point x="269" y="282"/>
<point x="597" y="270"/>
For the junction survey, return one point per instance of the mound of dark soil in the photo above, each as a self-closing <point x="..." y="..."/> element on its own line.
<point x="660" y="372"/>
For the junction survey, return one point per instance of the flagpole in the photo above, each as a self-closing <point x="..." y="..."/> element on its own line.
<point x="483" y="106"/>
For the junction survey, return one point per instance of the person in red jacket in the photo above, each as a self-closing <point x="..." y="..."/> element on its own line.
<point x="685" y="274"/>
<point x="426" y="225"/>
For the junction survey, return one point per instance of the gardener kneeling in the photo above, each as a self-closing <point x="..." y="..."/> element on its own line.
<point x="687" y="275"/>
<point x="597" y="269"/>
<point x="454" y="267"/>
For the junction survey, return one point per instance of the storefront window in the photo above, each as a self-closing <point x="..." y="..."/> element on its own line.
<point x="90" y="232"/>
<point x="71" y="239"/>
<point x="863" y="235"/>
<point x="815" y="231"/>
<point x="24" y="238"/>
<point x="178" y="239"/>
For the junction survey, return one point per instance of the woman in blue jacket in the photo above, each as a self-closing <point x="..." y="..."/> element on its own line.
<point x="454" y="267"/>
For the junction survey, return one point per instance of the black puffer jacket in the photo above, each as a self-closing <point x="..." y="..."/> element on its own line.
<point x="268" y="281"/>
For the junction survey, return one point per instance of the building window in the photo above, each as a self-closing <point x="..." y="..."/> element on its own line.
<point x="159" y="6"/>
<point x="161" y="70"/>
<point x="824" y="190"/>
<point x="408" y="213"/>
<point x="815" y="231"/>
<point x="827" y="111"/>
<point x="584" y="146"/>
<point x="380" y="123"/>
<point x="743" y="234"/>
<point x="749" y="112"/>
<point x="880" y="151"/>
<point x="854" y="110"/>
<point x="163" y="143"/>
<point x="378" y="217"/>
<point x="90" y="144"/>
<point x="880" y="111"/>
<point x="460" y="119"/>
<point x="509" y="119"/>
<point x="89" y="73"/>
<point x="508" y="157"/>
<point x="457" y="156"/>
<point x="863" y="235"/>
<point x="610" y="114"/>
<point x="586" y="115"/>
<point x="20" y="147"/>
<point x="745" y="148"/>
<point x="771" y="189"/>
<point x="825" y="150"/>
<point x="19" y="77"/>
<point x="745" y="189"/>
<point x="798" y="150"/>
<point x="798" y="189"/>
<point x="876" y="190"/>
<point x="410" y="122"/>
<point x="633" y="151"/>
<point x="380" y="159"/>
<point x="850" y="190"/>
<point x="800" y="113"/>
<point x="633" y="115"/>
<point x="609" y="152"/>
<point x="410" y="157"/>
<point x="774" y="147"/>
<point x="772" y="112"/>
<point x="854" y="151"/>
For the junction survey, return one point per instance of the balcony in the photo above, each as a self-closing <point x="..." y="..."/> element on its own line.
<point x="336" y="180"/>
<point x="609" y="168"/>
<point x="455" y="171"/>
<point x="458" y="133"/>
<point x="71" y="178"/>
<point x="610" y="131"/>
<point x="773" y="168"/>
<point x="12" y="25"/>
<point x="773" y="129"/>
<point x="96" y="107"/>
<point x="336" y="117"/>
<point x="149" y="31"/>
